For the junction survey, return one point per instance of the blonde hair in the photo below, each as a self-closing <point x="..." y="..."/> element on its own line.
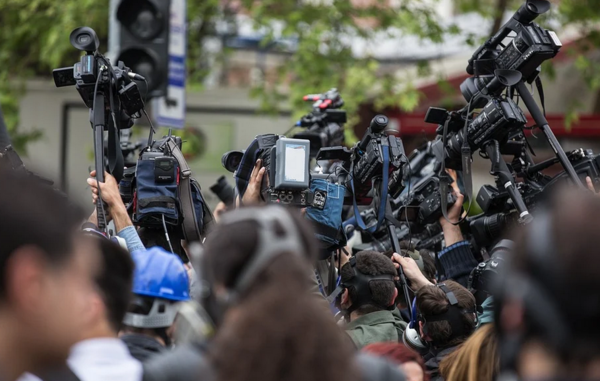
<point x="475" y="360"/>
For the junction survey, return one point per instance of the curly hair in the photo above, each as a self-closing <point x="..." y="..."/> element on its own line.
<point x="372" y="263"/>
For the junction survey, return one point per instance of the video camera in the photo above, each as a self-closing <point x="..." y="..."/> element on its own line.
<point x="530" y="46"/>
<point x="498" y="119"/>
<point x="377" y="156"/>
<point x="324" y="125"/>
<point x="113" y="98"/>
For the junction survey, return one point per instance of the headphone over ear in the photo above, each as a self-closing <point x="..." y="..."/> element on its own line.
<point x="453" y="315"/>
<point x="270" y="245"/>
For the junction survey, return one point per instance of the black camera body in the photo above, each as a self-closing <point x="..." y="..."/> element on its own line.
<point x="530" y="47"/>
<point x="365" y="162"/>
<point x="94" y="74"/>
<point x="499" y="118"/>
<point x="324" y="125"/>
<point x="427" y="198"/>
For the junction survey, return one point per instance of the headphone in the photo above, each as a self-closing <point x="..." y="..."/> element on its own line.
<point x="270" y="245"/>
<point x="453" y="315"/>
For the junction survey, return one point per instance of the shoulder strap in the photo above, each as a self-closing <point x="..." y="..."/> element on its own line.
<point x="191" y="232"/>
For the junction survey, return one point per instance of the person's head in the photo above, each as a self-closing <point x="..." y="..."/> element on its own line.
<point x="547" y="306"/>
<point x="46" y="271"/>
<point x="409" y="361"/>
<point x="369" y="283"/>
<point x="429" y="269"/>
<point x="475" y="360"/>
<point x="113" y="290"/>
<point x="160" y="283"/>
<point x="446" y="313"/>
<point x="274" y="326"/>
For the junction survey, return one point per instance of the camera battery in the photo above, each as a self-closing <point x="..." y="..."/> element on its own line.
<point x="164" y="170"/>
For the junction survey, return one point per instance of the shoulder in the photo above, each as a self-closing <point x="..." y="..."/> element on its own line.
<point x="377" y="369"/>
<point x="186" y="362"/>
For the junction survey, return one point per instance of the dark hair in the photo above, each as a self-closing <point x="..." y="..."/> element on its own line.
<point x="32" y="213"/>
<point x="115" y="281"/>
<point x="432" y="300"/>
<point x="372" y="263"/>
<point x="568" y="275"/>
<point x="398" y="354"/>
<point x="285" y="333"/>
<point x="429" y="269"/>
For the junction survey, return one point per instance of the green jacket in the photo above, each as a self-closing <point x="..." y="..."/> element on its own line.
<point x="375" y="327"/>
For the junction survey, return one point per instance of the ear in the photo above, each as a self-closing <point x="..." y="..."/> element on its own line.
<point x="423" y="336"/>
<point x="393" y="301"/>
<point x="345" y="298"/>
<point x="25" y="280"/>
<point x="97" y="310"/>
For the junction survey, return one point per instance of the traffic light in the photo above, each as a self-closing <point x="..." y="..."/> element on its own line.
<point x="144" y="41"/>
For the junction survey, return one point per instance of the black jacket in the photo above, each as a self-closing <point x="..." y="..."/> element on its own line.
<point x="142" y="347"/>
<point x="433" y="360"/>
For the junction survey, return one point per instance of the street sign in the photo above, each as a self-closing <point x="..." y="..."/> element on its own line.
<point x="170" y="109"/>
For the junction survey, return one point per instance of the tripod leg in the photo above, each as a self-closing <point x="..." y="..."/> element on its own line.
<point x="541" y="121"/>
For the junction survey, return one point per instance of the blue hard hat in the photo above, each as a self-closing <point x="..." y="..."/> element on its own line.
<point x="160" y="274"/>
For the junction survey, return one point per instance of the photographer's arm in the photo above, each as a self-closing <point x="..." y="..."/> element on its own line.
<point x="117" y="210"/>
<point x="411" y="271"/>
<point x="457" y="258"/>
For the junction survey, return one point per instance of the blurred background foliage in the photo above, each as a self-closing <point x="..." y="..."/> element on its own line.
<point x="34" y="40"/>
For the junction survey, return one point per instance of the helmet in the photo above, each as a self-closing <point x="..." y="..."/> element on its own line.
<point x="159" y="282"/>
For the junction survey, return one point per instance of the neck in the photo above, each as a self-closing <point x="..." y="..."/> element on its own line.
<point x="355" y="315"/>
<point x="15" y="358"/>
<point x="101" y="329"/>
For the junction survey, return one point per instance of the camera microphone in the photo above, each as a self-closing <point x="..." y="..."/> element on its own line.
<point x="135" y="76"/>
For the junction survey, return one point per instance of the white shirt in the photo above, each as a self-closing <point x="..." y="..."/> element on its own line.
<point x="104" y="359"/>
<point x="101" y="360"/>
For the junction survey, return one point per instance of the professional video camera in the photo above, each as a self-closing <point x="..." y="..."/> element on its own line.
<point x="498" y="211"/>
<point x="324" y="125"/>
<point x="113" y="98"/>
<point x="378" y="156"/>
<point x="530" y="46"/>
<point x="288" y="178"/>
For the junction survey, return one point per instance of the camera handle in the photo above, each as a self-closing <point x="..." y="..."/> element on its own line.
<point x="542" y="123"/>
<point x="396" y="247"/>
<point x="504" y="179"/>
<point x="98" y="122"/>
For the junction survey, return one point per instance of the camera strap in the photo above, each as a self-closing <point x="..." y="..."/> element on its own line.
<point x="383" y="193"/>
<point x="190" y="224"/>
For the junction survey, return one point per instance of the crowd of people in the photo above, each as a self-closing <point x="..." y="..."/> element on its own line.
<point x="249" y="305"/>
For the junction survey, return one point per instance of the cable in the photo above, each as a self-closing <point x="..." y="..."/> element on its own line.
<point x="94" y="134"/>
<point x="167" y="233"/>
<point x="152" y="130"/>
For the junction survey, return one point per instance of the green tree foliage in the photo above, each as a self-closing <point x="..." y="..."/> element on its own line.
<point x="323" y="57"/>
<point x="34" y="39"/>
